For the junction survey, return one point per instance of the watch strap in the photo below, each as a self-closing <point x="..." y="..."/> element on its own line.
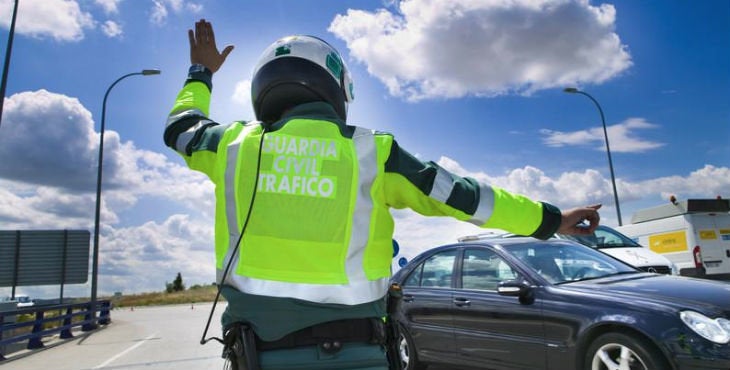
<point x="199" y="72"/>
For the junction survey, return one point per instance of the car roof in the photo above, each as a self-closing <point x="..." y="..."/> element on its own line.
<point x="496" y="242"/>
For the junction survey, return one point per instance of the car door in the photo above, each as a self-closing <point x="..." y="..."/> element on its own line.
<point x="491" y="330"/>
<point x="427" y="299"/>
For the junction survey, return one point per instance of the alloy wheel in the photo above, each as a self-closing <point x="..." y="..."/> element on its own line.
<point x="403" y="351"/>
<point x="614" y="356"/>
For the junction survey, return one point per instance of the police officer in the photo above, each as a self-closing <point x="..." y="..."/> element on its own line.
<point x="309" y="197"/>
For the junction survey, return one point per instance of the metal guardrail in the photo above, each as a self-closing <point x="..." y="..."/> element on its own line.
<point x="66" y="322"/>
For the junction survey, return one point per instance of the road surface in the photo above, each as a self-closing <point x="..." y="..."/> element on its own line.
<point x="149" y="338"/>
<point x="154" y="338"/>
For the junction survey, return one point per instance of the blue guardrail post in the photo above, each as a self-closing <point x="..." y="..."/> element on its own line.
<point x="66" y="332"/>
<point x="36" y="342"/>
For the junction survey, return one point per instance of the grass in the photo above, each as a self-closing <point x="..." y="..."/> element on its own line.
<point x="195" y="294"/>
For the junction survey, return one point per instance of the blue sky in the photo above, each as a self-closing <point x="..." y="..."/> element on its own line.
<point x="473" y="85"/>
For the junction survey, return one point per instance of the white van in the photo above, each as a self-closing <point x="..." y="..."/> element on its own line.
<point x="694" y="234"/>
<point x="611" y="242"/>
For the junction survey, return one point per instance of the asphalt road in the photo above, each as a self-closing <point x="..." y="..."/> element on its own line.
<point x="150" y="338"/>
<point x="154" y="338"/>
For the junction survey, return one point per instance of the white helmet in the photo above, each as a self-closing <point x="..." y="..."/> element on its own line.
<point x="299" y="69"/>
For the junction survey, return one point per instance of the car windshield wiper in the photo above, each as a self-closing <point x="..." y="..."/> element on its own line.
<point x="624" y="273"/>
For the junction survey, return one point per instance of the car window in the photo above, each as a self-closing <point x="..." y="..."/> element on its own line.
<point x="483" y="269"/>
<point x="437" y="271"/>
<point x="565" y="263"/>
<point x="609" y="238"/>
<point x="414" y="279"/>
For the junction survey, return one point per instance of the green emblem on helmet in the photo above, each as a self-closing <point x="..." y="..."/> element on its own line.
<point x="282" y="50"/>
<point x="334" y="64"/>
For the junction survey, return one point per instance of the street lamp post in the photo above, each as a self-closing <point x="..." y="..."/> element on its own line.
<point x="573" y="90"/>
<point x="95" y="257"/>
<point x="8" y="51"/>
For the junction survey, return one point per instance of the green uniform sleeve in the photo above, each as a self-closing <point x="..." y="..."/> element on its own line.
<point x="430" y="190"/>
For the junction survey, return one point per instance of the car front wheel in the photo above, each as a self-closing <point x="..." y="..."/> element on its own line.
<point x="619" y="351"/>
<point x="407" y="352"/>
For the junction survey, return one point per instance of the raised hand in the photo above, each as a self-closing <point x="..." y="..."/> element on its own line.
<point x="203" y="49"/>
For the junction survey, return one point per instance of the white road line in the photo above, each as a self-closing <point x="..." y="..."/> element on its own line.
<point x="120" y="354"/>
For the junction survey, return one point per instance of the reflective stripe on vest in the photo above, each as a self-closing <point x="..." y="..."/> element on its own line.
<point x="358" y="288"/>
<point x="234" y="231"/>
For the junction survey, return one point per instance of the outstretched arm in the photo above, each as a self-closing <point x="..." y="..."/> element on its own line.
<point x="203" y="49"/>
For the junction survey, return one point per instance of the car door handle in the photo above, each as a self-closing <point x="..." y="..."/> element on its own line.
<point x="461" y="302"/>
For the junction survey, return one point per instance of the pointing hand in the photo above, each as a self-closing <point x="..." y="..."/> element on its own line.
<point x="572" y="222"/>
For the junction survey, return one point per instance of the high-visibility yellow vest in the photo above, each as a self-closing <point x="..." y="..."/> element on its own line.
<point x="335" y="245"/>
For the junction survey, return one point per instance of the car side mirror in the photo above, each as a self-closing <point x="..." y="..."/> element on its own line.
<point x="513" y="288"/>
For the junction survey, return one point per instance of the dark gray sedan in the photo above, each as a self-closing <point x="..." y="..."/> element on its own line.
<point x="519" y="303"/>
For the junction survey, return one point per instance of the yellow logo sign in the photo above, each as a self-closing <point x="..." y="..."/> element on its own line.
<point x="668" y="242"/>
<point x="708" y="235"/>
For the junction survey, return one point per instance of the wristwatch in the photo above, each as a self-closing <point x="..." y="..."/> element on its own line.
<point x="199" y="72"/>
<point x="198" y="68"/>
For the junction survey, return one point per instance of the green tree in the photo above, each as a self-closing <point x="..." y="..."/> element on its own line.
<point x="177" y="284"/>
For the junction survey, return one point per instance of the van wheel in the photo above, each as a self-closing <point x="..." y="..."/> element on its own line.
<point x="407" y="352"/>
<point x="614" y="351"/>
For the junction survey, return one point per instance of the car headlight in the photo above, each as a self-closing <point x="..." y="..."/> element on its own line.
<point x="714" y="330"/>
<point x="725" y="324"/>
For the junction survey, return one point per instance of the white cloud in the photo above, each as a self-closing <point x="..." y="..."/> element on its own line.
<point x="109" y="6"/>
<point x="50" y="139"/>
<point x="112" y="29"/>
<point x="144" y="257"/>
<point x="242" y="93"/>
<point x="435" y="49"/>
<point x="161" y="9"/>
<point x="158" y="14"/>
<point x="621" y="137"/>
<point x="59" y="156"/>
<point x="61" y="20"/>
<point x="194" y="8"/>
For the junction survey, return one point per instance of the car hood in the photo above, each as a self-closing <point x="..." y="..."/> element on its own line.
<point x="637" y="256"/>
<point x="667" y="290"/>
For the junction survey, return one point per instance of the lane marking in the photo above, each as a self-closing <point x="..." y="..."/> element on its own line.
<point x="120" y="354"/>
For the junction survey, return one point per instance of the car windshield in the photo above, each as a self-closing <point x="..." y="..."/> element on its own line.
<point x="565" y="262"/>
<point x="604" y="237"/>
<point x="23" y="299"/>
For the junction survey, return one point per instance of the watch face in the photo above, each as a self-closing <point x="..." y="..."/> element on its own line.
<point x="197" y="68"/>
